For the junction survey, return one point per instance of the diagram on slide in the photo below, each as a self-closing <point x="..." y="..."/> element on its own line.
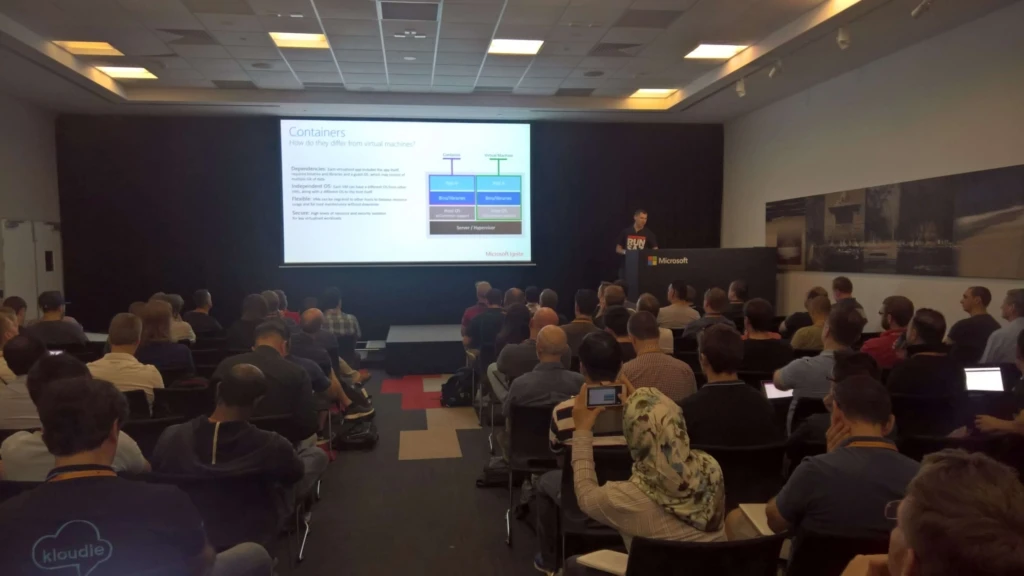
<point x="479" y="204"/>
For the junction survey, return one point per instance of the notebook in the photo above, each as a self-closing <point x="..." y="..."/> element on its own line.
<point x="608" y="561"/>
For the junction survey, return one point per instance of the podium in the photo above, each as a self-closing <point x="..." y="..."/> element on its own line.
<point x="653" y="270"/>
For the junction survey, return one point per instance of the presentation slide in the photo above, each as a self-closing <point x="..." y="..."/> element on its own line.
<point x="405" y="192"/>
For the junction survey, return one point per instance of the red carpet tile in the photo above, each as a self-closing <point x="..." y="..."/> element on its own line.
<point x="411" y="389"/>
<point x="421" y="400"/>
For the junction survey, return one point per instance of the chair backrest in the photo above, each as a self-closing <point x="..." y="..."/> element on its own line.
<point x="173" y="375"/>
<point x="806" y="407"/>
<point x="692" y="359"/>
<point x="282" y="424"/>
<point x="797" y="451"/>
<point x="611" y="464"/>
<point x="754" y="557"/>
<point x="823" y="555"/>
<point x="347" y="349"/>
<point x="11" y="488"/>
<point x="754" y="378"/>
<point x="188" y="402"/>
<point x="147" y="432"/>
<point x="529" y="446"/>
<point x="677" y="332"/>
<point x="681" y="344"/>
<point x="208" y="355"/>
<point x="928" y="415"/>
<point x="574" y="363"/>
<point x="751" y="473"/>
<point x="138" y="405"/>
<point x="210" y="341"/>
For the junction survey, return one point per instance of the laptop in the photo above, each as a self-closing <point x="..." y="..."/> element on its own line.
<point x="772" y="392"/>
<point x="984" y="379"/>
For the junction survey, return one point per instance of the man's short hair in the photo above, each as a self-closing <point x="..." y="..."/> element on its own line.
<point x="819" y="305"/>
<point x="50" y="300"/>
<point x="282" y="300"/>
<point x="125" y="329"/>
<point x="202" y="298"/>
<point x="842" y="284"/>
<point x="722" y="347"/>
<point x="614" y="295"/>
<point x="330" y="299"/>
<point x="930" y="326"/>
<point x="639" y="211"/>
<point x="1016" y="299"/>
<point x="242" y="386"/>
<point x="845" y="324"/>
<point x="643" y="326"/>
<point x="136" y="308"/>
<point x="156" y="321"/>
<point x="815" y="292"/>
<point x="761" y="315"/>
<point x="849" y="363"/>
<point x="254" y="308"/>
<point x="494" y="297"/>
<point x="532" y="295"/>
<point x="16" y="303"/>
<point x="900" y="308"/>
<point x="739" y="288"/>
<point x="51" y="369"/>
<point x="482" y="288"/>
<point x="587" y="301"/>
<point x="679" y="287"/>
<point x="273" y="304"/>
<point x="863" y="399"/>
<point x="514" y="296"/>
<point x="983" y="293"/>
<point x="177" y="304"/>
<point x="616" y="319"/>
<point x="271" y="328"/>
<point x="964" y="514"/>
<point x="549" y="299"/>
<point x="648" y="303"/>
<point x="716" y="300"/>
<point x="600" y="356"/>
<point x="21" y="352"/>
<point x="691" y="293"/>
<point x="78" y="414"/>
<point x="622" y="284"/>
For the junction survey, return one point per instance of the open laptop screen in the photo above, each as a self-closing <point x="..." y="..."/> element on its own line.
<point x="988" y="379"/>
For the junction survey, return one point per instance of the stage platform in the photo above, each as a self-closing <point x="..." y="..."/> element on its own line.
<point x="428" y="349"/>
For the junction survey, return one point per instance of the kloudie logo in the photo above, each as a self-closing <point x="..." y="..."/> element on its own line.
<point x="76" y="544"/>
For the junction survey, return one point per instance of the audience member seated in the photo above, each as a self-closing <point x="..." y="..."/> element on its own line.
<point x="484" y="327"/>
<point x="763" y="348"/>
<point x="254" y="312"/>
<point x="137" y="308"/>
<point x="847" y="364"/>
<point x="52" y="329"/>
<point x="928" y="369"/>
<point x="845" y="491"/>
<point x="549" y="299"/>
<point x="715" y="301"/>
<point x="583" y="323"/>
<point x="969" y="336"/>
<point x="1001" y="343"/>
<point x="202" y="323"/>
<point x="809" y="377"/>
<point x="226" y="444"/>
<point x="631" y="306"/>
<point x="613" y="296"/>
<point x="600" y="365"/>
<point x="896" y="313"/>
<point x="180" y="330"/>
<point x="963" y="514"/>
<point x="24" y="456"/>
<point x="18" y="304"/>
<point x="335" y="321"/>
<point x="616" y="322"/>
<point x="313" y="342"/>
<point x="512" y="297"/>
<point x="550" y="381"/>
<point x="652" y="368"/>
<point x="119" y="366"/>
<point x="152" y="529"/>
<point x="679" y="311"/>
<point x="157" y="347"/>
<point x="842" y="293"/>
<point x="600" y="297"/>
<point x="274" y="310"/>
<point x="515" y="327"/>
<point x="327" y="389"/>
<point x="809" y="337"/>
<point x="8" y="330"/>
<point x="17" y="411"/>
<point x="727" y="411"/>
<point x="798" y="320"/>
<point x="737" y="295"/>
<point x="482" y="288"/>
<point x="532" y="294"/>
<point x="518" y="359"/>
<point x="991" y="424"/>
<point x="282" y="306"/>
<point x="649" y="303"/>
<point x="289" y="390"/>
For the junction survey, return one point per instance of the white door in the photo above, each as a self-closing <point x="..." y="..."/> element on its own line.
<point x="19" y="263"/>
<point x="49" y="258"/>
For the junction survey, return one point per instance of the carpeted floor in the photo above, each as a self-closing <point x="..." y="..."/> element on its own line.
<point x="383" y="516"/>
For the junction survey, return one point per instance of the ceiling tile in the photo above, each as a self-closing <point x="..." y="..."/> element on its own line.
<point x="604" y="63"/>
<point x="582" y="82"/>
<point x="265" y="65"/>
<point x="254" y="53"/>
<point x="594" y="73"/>
<point x="556" y="62"/>
<point x="564" y="33"/>
<point x="218" y="6"/>
<point x="175" y="37"/>
<point x="310" y="66"/>
<point x="180" y="75"/>
<point x="508" y="60"/>
<point x="235" y="84"/>
<point x="471" y="13"/>
<point x="230" y="22"/>
<point x="366" y="78"/>
<point x="410" y="69"/>
<point x="454" y="80"/>
<point x="400" y="10"/>
<point x="467" y="31"/>
<point x="309" y="55"/>
<point x="639" y="67"/>
<point x="681" y="5"/>
<point x="408" y="88"/>
<point x="299" y="25"/>
<point x="275" y="80"/>
<point x="561" y="73"/>
<point x="497" y="82"/>
<point x="502" y="72"/>
<point x="238" y="75"/>
<point x="409" y="44"/>
<point x="540" y="82"/>
<point x="366" y="87"/>
<point x="402" y="57"/>
<point x="566" y="48"/>
<point x="177" y="83"/>
<point x="214" y="64"/>
<point x="521" y="32"/>
<point x="319" y="77"/>
<point x="201" y="51"/>
<point x="450" y="70"/>
<point x="184" y="21"/>
<point x="362" y="67"/>
<point x="531" y="14"/>
<point x="599" y="13"/>
<point x="227" y="38"/>
<point x="453" y="45"/>
<point x="631" y="35"/>
<point x="359" y="56"/>
<point x="347" y="9"/>
<point x="284" y="7"/>
<point x="354" y="42"/>
<point x="613" y="92"/>
<point x="460" y="58"/>
<point x="451" y="89"/>
<point x="351" y="27"/>
<point x="157" y="62"/>
<point x="408" y="79"/>
<point x="534" y="91"/>
<point x="648" y="18"/>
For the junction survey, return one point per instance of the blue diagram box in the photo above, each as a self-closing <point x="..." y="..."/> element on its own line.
<point x="499" y="183"/>
<point x="452" y="199"/>
<point x="452" y="184"/>
<point x="499" y="199"/>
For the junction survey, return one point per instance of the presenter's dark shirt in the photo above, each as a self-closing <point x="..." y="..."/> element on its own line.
<point x="630" y="239"/>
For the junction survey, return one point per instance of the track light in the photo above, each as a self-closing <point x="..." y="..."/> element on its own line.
<point x="741" y="88"/>
<point x="921" y="8"/>
<point x="843" y="38"/>
<point x="775" y="69"/>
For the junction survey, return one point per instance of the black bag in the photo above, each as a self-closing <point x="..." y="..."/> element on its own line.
<point x="458" y="390"/>
<point x="356" y="436"/>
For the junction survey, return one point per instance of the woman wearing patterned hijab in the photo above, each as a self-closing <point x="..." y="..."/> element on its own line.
<point x="674" y="493"/>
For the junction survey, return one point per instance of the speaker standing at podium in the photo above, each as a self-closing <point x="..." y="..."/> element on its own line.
<point x="636" y="237"/>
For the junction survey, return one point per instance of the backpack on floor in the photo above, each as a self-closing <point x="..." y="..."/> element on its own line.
<point x="361" y="435"/>
<point x="458" y="390"/>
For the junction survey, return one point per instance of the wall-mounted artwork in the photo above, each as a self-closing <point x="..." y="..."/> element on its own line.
<point x="969" y="225"/>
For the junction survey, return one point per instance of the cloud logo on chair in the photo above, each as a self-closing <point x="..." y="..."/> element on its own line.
<point x="77" y="544"/>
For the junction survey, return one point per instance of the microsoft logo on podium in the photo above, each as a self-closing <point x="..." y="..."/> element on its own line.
<point x="654" y="261"/>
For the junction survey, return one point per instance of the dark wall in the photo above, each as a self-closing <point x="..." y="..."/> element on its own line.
<point x="175" y="204"/>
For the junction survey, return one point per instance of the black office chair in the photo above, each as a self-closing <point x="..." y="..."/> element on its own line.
<point x="529" y="450"/>
<point x="928" y="415"/>
<point x="692" y="359"/>
<point x="347" y="350"/>
<point x="823" y="555"/>
<point x="797" y="451"/>
<point x="574" y="363"/>
<point x="147" y="432"/>
<point x="804" y="353"/>
<point x="806" y="407"/>
<point x="11" y="488"/>
<point x="187" y="402"/>
<point x="208" y="355"/>
<point x="751" y="473"/>
<point x="754" y="557"/>
<point x="579" y="534"/>
<point x="1008" y="449"/>
<point x="754" y="379"/>
<point x="138" y="405"/>
<point x="282" y="424"/>
<point x="173" y="376"/>
<point x="681" y="344"/>
<point x="211" y="341"/>
<point x="486" y="356"/>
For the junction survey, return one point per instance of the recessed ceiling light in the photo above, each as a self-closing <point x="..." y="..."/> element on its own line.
<point x="88" y="48"/>
<point x="715" y="51"/>
<point x="409" y="58"/>
<point x="653" y="93"/>
<point x="126" y="72"/>
<point x="295" y="40"/>
<point x="527" y="47"/>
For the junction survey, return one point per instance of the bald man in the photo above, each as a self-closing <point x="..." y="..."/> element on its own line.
<point x="482" y="288"/>
<point x="513" y="296"/>
<point x="518" y="359"/>
<point x="550" y="382"/>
